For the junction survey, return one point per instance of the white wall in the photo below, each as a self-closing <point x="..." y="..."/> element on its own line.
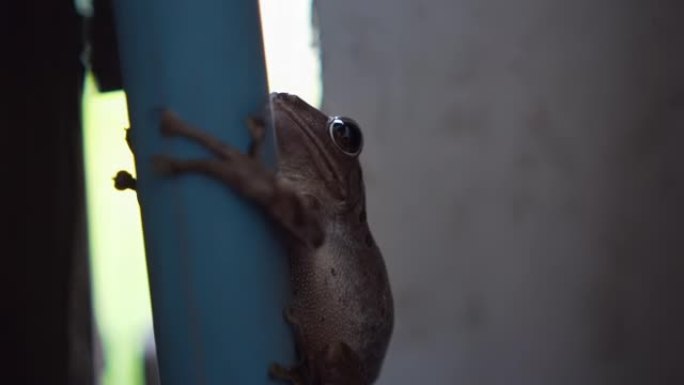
<point x="524" y="180"/>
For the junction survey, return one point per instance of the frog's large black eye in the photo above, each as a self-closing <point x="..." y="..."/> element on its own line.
<point x="346" y="135"/>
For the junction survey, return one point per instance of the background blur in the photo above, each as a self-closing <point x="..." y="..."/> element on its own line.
<point x="524" y="180"/>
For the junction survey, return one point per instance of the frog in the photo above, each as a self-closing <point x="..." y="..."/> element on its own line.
<point x="341" y="309"/>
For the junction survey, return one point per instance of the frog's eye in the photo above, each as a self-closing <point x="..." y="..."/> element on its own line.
<point x="346" y="135"/>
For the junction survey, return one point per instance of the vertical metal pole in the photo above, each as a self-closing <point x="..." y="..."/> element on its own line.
<point x="218" y="278"/>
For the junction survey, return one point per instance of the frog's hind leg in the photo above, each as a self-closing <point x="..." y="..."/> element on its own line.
<point x="244" y="174"/>
<point x="340" y="365"/>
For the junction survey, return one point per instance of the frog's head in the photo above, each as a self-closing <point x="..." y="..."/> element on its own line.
<point x="318" y="152"/>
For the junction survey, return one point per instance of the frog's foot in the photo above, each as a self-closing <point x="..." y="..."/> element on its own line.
<point x="284" y="374"/>
<point x="124" y="180"/>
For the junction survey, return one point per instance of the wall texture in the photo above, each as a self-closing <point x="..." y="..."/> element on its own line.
<point x="525" y="180"/>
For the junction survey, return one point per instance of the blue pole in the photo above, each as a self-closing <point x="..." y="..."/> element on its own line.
<point x="218" y="277"/>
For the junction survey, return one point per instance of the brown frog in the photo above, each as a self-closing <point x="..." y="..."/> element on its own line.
<point x="342" y="307"/>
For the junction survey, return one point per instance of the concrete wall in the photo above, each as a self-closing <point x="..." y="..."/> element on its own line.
<point x="525" y="179"/>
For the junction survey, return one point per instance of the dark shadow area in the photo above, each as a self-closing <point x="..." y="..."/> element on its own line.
<point x="50" y="296"/>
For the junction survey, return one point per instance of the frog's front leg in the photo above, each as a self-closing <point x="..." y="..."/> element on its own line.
<point x="246" y="175"/>
<point x="125" y="181"/>
<point x="340" y="365"/>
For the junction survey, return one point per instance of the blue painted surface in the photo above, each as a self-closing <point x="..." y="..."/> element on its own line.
<point x="218" y="276"/>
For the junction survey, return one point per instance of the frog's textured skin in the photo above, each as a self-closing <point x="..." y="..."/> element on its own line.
<point x="342" y="308"/>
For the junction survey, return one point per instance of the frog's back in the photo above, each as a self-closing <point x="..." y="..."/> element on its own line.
<point x="342" y="294"/>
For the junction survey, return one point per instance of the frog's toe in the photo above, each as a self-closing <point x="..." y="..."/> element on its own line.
<point x="124" y="180"/>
